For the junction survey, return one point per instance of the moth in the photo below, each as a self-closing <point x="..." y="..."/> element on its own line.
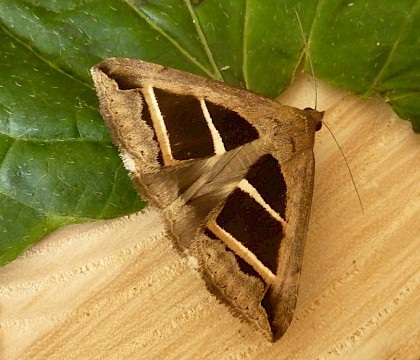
<point x="231" y="173"/>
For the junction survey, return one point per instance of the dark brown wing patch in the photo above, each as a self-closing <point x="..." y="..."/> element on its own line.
<point x="233" y="128"/>
<point x="188" y="133"/>
<point x="265" y="175"/>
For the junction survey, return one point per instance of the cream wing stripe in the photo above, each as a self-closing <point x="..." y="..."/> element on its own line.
<point x="159" y="125"/>
<point x="242" y="251"/>
<point x="245" y="186"/>
<point x="219" y="147"/>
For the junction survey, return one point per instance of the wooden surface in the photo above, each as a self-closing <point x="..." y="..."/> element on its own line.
<point x="116" y="290"/>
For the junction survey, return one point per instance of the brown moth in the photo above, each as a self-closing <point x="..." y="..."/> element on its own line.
<point x="231" y="172"/>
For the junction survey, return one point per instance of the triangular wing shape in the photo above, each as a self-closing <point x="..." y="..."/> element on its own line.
<point x="231" y="171"/>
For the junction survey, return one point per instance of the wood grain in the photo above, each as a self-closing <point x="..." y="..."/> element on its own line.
<point x="117" y="290"/>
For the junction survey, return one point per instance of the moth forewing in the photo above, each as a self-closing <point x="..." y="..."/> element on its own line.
<point x="282" y="295"/>
<point x="232" y="173"/>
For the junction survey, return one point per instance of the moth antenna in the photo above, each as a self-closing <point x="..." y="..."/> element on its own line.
<point x="305" y="42"/>
<point x="348" y="167"/>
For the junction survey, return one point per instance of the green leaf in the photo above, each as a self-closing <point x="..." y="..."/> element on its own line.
<point x="373" y="48"/>
<point x="58" y="165"/>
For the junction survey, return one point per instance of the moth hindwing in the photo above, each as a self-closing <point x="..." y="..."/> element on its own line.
<point x="231" y="172"/>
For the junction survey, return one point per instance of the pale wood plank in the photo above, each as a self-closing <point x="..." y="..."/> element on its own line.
<point x="116" y="290"/>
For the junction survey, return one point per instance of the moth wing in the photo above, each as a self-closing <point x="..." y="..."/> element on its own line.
<point x="282" y="295"/>
<point x="168" y="123"/>
<point x="251" y="247"/>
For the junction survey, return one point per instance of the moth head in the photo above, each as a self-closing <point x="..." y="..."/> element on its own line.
<point x="315" y="116"/>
